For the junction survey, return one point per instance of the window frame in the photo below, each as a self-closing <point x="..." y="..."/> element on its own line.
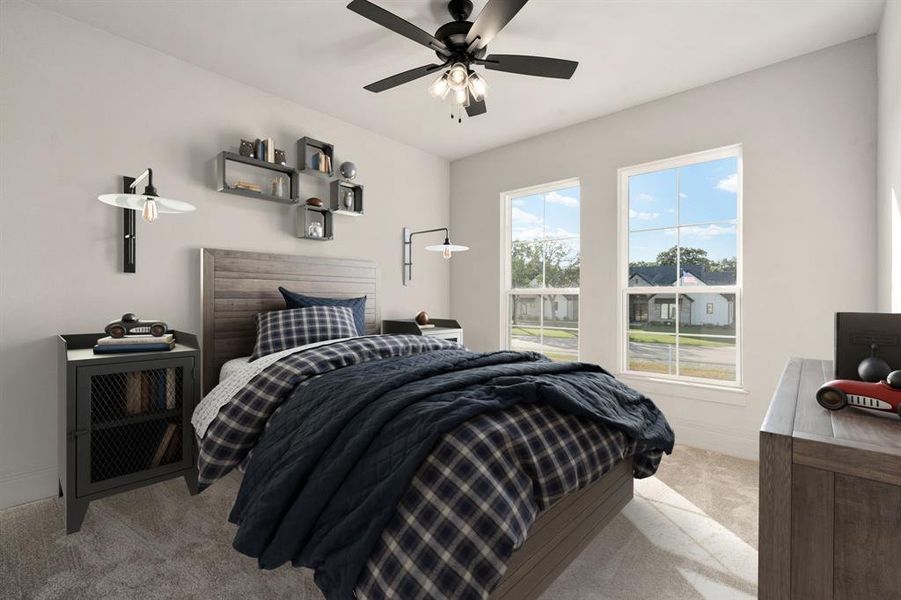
<point x="506" y="279"/>
<point x="622" y="271"/>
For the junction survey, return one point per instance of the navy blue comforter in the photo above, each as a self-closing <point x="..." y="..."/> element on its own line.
<point x="327" y="475"/>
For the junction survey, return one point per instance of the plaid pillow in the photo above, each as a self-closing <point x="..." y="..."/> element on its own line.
<point x="283" y="329"/>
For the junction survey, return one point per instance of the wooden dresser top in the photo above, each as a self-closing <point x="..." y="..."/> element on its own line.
<point x="853" y="440"/>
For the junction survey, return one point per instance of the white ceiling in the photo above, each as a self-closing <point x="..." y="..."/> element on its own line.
<point x="319" y="54"/>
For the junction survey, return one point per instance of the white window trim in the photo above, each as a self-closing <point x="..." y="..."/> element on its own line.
<point x="506" y="237"/>
<point x="623" y="267"/>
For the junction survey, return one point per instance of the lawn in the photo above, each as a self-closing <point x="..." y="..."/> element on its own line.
<point x="548" y="333"/>
<point x="660" y="338"/>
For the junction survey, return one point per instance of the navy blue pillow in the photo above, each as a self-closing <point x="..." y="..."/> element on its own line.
<point x="356" y="305"/>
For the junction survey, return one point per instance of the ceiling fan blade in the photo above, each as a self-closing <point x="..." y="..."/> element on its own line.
<point x="476" y="108"/>
<point x="401" y="78"/>
<point x="397" y="25"/>
<point x="493" y="18"/>
<point x="538" y="66"/>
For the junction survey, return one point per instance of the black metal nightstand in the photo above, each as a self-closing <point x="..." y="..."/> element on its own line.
<point x="124" y="419"/>
<point x="447" y="329"/>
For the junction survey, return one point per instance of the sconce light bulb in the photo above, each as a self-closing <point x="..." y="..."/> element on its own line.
<point x="150" y="212"/>
<point x="446" y="253"/>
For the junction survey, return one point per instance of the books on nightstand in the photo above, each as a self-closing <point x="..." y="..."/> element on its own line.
<point x="135" y="343"/>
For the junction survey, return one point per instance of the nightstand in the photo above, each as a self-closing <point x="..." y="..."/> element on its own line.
<point x="124" y="419"/>
<point x="447" y="329"/>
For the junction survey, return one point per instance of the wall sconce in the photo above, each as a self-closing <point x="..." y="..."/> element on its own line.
<point x="150" y="205"/>
<point x="447" y="249"/>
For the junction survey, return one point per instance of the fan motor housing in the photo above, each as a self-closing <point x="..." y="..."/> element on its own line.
<point x="453" y="35"/>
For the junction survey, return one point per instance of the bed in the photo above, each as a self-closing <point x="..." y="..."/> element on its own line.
<point x="236" y="285"/>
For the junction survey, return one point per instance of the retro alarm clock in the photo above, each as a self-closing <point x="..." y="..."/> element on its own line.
<point x="129" y="324"/>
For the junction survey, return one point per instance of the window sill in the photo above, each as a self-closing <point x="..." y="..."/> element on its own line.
<point x="692" y="390"/>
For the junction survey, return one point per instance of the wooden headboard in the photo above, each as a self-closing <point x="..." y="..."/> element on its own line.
<point x="236" y="285"/>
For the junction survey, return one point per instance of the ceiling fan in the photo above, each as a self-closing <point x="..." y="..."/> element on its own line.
<point x="460" y="46"/>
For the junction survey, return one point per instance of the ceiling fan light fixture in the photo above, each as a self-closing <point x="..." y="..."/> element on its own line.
<point x="461" y="97"/>
<point x="439" y="87"/>
<point x="477" y="86"/>
<point x="458" y="76"/>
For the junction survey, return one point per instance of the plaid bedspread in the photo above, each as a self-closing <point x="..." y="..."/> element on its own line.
<point x="239" y="424"/>
<point x="471" y="504"/>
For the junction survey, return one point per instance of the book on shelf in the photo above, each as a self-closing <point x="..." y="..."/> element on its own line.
<point x="138" y="339"/>
<point x="171" y="400"/>
<point x="427" y="326"/>
<point x="127" y="348"/>
<point x="165" y="442"/>
<point x="133" y="392"/>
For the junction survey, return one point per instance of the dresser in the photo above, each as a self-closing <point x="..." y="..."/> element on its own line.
<point x="830" y="495"/>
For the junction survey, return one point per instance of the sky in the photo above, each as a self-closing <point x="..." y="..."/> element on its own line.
<point x="704" y="196"/>
<point x="554" y="215"/>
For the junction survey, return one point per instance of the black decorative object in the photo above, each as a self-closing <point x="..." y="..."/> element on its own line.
<point x="346" y="198"/>
<point x="315" y="157"/>
<point x="461" y="45"/>
<point x="873" y="368"/>
<point x="247" y="149"/>
<point x="124" y="420"/>
<point x="226" y="158"/>
<point x="280" y="157"/>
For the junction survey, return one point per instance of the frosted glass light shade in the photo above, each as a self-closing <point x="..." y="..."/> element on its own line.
<point x="451" y="247"/>
<point x="136" y="202"/>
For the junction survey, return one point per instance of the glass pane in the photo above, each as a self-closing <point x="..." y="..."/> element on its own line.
<point x="652" y="200"/>
<point x="560" y="335"/>
<point x="525" y="322"/>
<point x="526" y="260"/>
<point x="561" y="263"/>
<point x="652" y="314"/>
<point x="710" y="314"/>
<point x="652" y="258"/>
<point x="708" y="358"/>
<point x="527" y="218"/>
<point x="707" y="254"/>
<point x="652" y="352"/>
<point x="709" y="191"/>
<point x="561" y="214"/>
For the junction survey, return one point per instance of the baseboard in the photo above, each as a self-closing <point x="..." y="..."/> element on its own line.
<point x="19" y="488"/>
<point x="725" y="440"/>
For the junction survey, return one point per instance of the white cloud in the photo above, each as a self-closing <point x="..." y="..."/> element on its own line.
<point x="643" y="216"/>
<point x="728" y="184"/>
<point x="709" y="231"/>
<point x="528" y="234"/>
<point x="643" y="197"/>
<point x="683" y="195"/>
<point x="557" y="198"/>
<point x="518" y="215"/>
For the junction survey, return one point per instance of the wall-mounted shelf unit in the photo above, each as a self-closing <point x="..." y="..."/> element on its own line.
<point x="338" y="193"/>
<point x="315" y="157"/>
<point x="308" y="215"/>
<point x="261" y="173"/>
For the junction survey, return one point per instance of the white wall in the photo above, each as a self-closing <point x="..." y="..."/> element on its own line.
<point x="889" y="159"/>
<point x="79" y="109"/>
<point x="807" y="127"/>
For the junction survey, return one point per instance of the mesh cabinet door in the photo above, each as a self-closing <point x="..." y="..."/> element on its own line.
<point x="130" y="419"/>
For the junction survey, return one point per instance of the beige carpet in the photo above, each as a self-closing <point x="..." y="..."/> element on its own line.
<point x="690" y="532"/>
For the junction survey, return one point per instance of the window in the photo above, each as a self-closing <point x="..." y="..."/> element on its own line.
<point x="540" y="258"/>
<point x="680" y="267"/>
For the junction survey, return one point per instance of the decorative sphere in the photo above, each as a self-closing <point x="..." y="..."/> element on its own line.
<point x="873" y="369"/>
<point x="348" y="170"/>
<point x="314" y="202"/>
<point x="422" y="318"/>
<point x="894" y="379"/>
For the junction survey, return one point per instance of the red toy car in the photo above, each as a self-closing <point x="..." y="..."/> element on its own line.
<point x="884" y="395"/>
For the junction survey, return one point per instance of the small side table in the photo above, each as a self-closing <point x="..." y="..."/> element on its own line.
<point x="124" y="419"/>
<point x="448" y="329"/>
